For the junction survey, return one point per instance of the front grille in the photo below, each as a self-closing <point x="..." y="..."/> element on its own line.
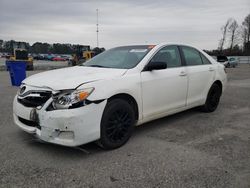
<point x="29" y="123"/>
<point x="35" y="98"/>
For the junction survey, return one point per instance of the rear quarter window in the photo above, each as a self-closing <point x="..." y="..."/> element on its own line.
<point x="204" y="59"/>
<point x="192" y="56"/>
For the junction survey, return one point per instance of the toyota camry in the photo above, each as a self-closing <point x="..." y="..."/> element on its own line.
<point x="103" y="99"/>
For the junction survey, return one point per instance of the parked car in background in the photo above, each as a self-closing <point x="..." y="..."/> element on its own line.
<point x="6" y="55"/>
<point x="58" y="59"/>
<point x="49" y="57"/>
<point x="66" y="57"/>
<point x="227" y="61"/>
<point x="38" y="56"/>
<point x="232" y="62"/>
<point x="222" y="59"/>
<point x="108" y="95"/>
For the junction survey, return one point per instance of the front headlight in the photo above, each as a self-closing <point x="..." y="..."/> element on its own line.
<point x="71" y="98"/>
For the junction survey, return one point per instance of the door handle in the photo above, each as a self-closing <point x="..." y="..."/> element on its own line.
<point x="211" y="69"/>
<point x="183" y="73"/>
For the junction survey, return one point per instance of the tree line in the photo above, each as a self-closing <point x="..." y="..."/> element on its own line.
<point x="235" y="39"/>
<point x="41" y="48"/>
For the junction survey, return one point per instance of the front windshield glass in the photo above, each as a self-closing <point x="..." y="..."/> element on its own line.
<point x="125" y="57"/>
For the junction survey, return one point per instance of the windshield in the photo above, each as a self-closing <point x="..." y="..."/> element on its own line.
<point x="125" y="57"/>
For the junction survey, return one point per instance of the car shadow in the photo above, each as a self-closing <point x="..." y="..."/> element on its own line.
<point x="79" y="151"/>
<point x="164" y="121"/>
<point x="93" y="148"/>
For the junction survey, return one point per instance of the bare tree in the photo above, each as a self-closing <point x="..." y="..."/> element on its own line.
<point x="243" y="34"/>
<point x="232" y="30"/>
<point x="224" y="30"/>
<point x="246" y="24"/>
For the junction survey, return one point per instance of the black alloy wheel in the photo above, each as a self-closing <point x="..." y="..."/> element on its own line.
<point x="213" y="98"/>
<point x="117" y="124"/>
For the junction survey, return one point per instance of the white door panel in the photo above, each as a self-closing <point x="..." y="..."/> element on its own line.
<point x="200" y="79"/>
<point x="200" y="75"/>
<point x="163" y="90"/>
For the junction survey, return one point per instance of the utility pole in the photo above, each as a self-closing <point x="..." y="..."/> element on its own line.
<point x="97" y="29"/>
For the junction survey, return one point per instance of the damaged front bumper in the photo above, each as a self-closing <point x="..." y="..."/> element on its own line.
<point x="68" y="127"/>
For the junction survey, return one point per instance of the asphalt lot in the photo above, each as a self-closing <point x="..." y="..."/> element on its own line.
<point x="189" y="149"/>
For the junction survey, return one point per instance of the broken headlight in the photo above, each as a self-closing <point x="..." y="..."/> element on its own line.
<point x="71" y="98"/>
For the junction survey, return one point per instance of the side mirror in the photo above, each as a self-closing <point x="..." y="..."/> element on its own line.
<point x="156" y="65"/>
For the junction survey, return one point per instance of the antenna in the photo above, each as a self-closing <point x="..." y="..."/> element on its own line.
<point x="97" y="29"/>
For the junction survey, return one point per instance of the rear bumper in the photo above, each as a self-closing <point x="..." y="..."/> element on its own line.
<point x="68" y="127"/>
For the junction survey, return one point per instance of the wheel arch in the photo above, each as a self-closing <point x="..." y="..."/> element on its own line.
<point x="131" y="100"/>
<point x="219" y="83"/>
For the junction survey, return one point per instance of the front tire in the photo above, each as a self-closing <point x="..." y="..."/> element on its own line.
<point x="213" y="99"/>
<point x="117" y="124"/>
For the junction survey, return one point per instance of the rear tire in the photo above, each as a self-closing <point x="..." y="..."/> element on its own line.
<point x="117" y="124"/>
<point x="213" y="99"/>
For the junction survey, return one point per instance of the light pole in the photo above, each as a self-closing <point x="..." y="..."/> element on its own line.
<point x="97" y="28"/>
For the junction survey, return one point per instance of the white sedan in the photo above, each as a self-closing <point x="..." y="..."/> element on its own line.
<point x="103" y="99"/>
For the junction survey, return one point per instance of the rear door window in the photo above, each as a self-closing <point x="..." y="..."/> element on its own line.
<point x="192" y="56"/>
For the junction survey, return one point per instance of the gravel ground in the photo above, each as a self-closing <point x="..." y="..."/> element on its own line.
<point x="189" y="149"/>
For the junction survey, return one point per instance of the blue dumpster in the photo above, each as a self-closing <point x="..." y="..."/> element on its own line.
<point x="17" y="71"/>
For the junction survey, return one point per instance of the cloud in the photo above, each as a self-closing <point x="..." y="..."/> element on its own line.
<point x="121" y="22"/>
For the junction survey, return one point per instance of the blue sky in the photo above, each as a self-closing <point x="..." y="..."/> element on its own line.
<point x="121" y="22"/>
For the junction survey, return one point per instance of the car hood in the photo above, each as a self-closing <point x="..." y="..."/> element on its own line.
<point x="70" y="78"/>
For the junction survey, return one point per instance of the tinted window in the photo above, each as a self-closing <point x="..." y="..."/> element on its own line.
<point x="191" y="56"/>
<point x="204" y="59"/>
<point x="169" y="55"/>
